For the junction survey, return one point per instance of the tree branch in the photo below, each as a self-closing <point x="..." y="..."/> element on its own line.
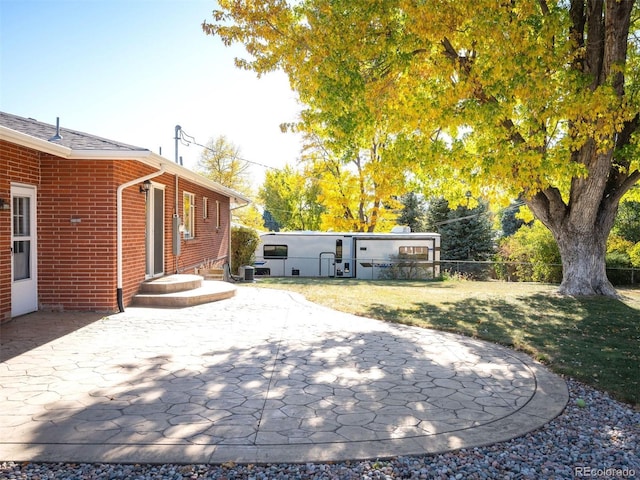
<point x="548" y="206"/>
<point x="544" y="7"/>
<point x="595" y="41"/>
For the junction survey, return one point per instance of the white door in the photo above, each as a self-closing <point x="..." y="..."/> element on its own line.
<point x="24" y="259"/>
<point x="155" y="231"/>
<point x="327" y="264"/>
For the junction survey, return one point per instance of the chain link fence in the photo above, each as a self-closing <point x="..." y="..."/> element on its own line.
<point x="524" y="271"/>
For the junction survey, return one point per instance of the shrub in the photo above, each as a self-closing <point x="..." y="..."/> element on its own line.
<point x="618" y="244"/>
<point x="618" y="268"/>
<point x="244" y="242"/>
<point x="634" y="255"/>
<point x="530" y="254"/>
<point x="405" y="268"/>
<point x="619" y="260"/>
<point x="468" y="270"/>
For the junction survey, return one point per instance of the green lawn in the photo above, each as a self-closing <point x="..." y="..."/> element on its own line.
<point x="594" y="340"/>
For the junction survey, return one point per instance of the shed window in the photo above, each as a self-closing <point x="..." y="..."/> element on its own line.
<point x="275" y="251"/>
<point x="421" y="253"/>
<point x="339" y="250"/>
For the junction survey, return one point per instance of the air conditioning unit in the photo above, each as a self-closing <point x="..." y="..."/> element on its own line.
<point x="246" y="273"/>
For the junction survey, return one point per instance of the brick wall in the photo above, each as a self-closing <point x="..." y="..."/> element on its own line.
<point x="76" y="225"/>
<point x="133" y="229"/>
<point x="209" y="242"/>
<point x="77" y="260"/>
<point x="19" y="165"/>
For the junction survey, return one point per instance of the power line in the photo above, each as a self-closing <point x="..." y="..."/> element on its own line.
<point x="191" y="140"/>
<point x="468" y="217"/>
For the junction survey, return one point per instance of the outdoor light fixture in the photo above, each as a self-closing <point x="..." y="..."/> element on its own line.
<point x="4" y="205"/>
<point x="145" y="187"/>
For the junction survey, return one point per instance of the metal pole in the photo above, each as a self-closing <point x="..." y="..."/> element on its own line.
<point x="177" y="137"/>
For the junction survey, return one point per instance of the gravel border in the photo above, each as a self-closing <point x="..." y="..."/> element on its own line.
<point x="599" y="438"/>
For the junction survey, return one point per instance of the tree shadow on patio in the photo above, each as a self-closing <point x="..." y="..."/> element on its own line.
<point x="30" y="331"/>
<point x="292" y="379"/>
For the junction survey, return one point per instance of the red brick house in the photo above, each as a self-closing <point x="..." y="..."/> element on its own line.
<point x="85" y="220"/>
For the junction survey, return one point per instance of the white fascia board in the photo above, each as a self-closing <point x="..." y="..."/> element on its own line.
<point x="109" y="155"/>
<point x="34" y="143"/>
<point x="145" y="156"/>
<point x="155" y="160"/>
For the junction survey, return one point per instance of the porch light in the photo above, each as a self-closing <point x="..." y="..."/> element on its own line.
<point x="145" y="187"/>
<point x="4" y="205"/>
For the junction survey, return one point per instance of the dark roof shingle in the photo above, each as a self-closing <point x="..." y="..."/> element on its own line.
<point x="70" y="138"/>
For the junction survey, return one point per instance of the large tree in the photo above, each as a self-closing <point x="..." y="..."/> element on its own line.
<point x="291" y="198"/>
<point x="531" y="98"/>
<point x="220" y="161"/>
<point x="358" y="183"/>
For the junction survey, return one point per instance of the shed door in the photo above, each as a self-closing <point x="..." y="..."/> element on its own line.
<point x="327" y="264"/>
<point x="24" y="260"/>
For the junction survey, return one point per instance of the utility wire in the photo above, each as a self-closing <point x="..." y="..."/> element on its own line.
<point x="191" y="140"/>
<point x="468" y="217"/>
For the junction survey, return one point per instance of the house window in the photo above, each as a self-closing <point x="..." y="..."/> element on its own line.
<point x="205" y="207"/>
<point x="217" y="214"/>
<point x="420" y="253"/>
<point x="189" y="210"/>
<point x="275" y="251"/>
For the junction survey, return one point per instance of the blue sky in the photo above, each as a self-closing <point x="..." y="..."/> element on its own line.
<point x="131" y="70"/>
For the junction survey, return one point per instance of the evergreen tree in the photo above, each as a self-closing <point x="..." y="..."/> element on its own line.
<point x="509" y="222"/>
<point x="437" y="213"/>
<point x="466" y="235"/>
<point x="270" y="223"/>
<point x="413" y="212"/>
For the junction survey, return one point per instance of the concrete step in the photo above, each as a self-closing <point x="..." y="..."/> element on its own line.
<point x="209" y="291"/>
<point x="211" y="273"/>
<point x="171" y="284"/>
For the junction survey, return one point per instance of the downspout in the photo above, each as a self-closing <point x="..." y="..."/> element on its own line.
<point x="176" y="216"/>
<point x="229" y="251"/>
<point x="119" y="230"/>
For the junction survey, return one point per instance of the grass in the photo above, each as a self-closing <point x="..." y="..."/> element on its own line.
<point x="594" y="340"/>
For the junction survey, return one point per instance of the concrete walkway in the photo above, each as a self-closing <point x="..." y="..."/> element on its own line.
<point x="262" y="377"/>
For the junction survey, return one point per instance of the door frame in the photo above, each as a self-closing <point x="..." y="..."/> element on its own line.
<point x="26" y="289"/>
<point x="153" y="231"/>
<point x="327" y="264"/>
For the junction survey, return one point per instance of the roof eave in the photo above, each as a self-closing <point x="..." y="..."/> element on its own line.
<point x="153" y="159"/>
<point x="145" y="156"/>
<point x="32" y="142"/>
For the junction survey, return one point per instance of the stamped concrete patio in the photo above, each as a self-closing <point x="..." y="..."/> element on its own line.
<point x="262" y="377"/>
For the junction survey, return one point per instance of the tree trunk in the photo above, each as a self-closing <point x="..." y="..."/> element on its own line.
<point x="583" y="263"/>
<point x="581" y="229"/>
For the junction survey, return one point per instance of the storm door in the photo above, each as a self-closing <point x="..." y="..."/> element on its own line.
<point x="24" y="277"/>
<point x="155" y="232"/>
